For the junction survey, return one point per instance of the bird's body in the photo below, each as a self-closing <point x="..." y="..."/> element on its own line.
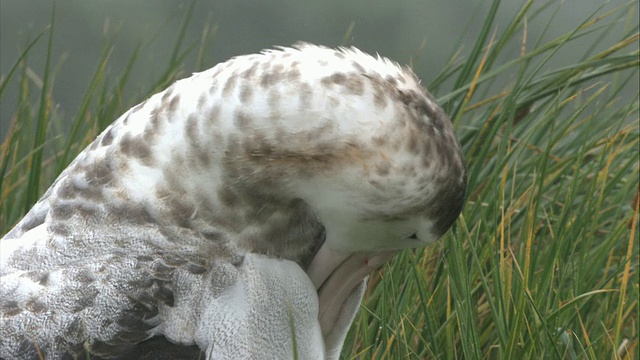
<point x="238" y="210"/>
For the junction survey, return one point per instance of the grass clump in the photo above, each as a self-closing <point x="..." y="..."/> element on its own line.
<point x="543" y="262"/>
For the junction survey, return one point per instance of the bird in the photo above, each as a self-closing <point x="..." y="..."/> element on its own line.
<point x="235" y="215"/>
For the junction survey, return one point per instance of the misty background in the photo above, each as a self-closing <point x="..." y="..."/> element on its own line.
<point x="424" y="34"/>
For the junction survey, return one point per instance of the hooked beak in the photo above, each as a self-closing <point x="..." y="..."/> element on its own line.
<point x="336" y="274"/>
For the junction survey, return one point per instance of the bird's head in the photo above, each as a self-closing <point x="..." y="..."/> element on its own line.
<point x="377" y="160"/>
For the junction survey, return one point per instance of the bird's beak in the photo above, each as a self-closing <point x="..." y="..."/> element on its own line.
<point x="336" y="274"/>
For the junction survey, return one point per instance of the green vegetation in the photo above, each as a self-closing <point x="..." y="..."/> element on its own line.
<point x="543" y="263"/>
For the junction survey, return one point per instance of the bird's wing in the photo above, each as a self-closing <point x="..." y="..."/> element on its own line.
<point x="108" y="301"/>
<point x="58" y="296"/>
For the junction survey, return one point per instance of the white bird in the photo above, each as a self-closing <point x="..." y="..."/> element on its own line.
<point x="238" y="213"/>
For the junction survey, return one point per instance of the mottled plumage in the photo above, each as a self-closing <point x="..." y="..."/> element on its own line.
<point x="238" y="208"/>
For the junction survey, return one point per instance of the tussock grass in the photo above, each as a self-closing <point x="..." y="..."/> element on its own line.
<point x="543" y="262"/>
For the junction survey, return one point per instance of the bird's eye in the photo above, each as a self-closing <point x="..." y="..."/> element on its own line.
<point x="413" y="236"/>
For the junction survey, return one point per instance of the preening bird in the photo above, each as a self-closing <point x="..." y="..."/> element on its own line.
<point x="236" y="214"/>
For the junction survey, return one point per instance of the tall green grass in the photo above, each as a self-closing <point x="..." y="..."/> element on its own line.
<point x="543" y="262"/>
